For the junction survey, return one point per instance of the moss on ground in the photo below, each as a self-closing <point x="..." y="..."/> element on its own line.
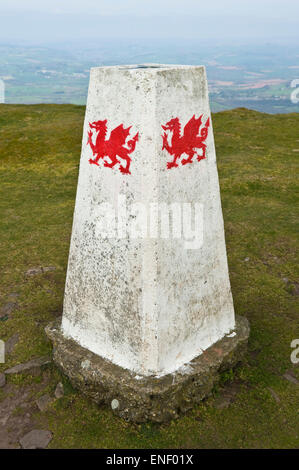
<point x="257" y="157"/>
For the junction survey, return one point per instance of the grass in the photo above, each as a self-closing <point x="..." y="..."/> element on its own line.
<point x="257" y="158"/>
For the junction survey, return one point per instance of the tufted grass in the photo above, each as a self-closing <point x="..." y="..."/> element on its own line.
<point x="257" y="159"/>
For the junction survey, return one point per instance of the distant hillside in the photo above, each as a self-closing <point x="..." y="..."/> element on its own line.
<point x="254" y="77"/>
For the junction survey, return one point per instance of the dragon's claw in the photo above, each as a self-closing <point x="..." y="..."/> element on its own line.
<point x="124" y="171"/>
<point x="111" y="164"/>
<point x="171" y="165"/>
<point x="186" y="160"/>
<point x="93" y="162"/>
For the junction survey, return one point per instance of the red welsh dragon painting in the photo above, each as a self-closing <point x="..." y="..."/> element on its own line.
<point x="117" y="146"/>
<point x="189" y="143"/>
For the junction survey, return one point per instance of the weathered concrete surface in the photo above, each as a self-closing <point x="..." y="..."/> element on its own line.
<point x="141" y="398"/>
<point x="147" y="305"/>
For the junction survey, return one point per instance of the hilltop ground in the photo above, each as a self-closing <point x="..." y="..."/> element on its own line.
<point x="255" y="406"/>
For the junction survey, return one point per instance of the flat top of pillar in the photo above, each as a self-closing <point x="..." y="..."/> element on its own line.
<point x="148" y="67"/>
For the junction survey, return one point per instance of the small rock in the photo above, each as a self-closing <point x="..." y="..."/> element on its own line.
<point x="59" y="391"/>
<point x="43" y="402"/>
<point x="48" y="268"/>
<point x="32" y="366"/>
<point x="34" y="271"/>
<point x="221" y="403"/>
<point x="10" y="343"/>
<point x="14" y="295"/>
<point x="288" y="376"/>
<point x="36" y="439"/>
<point x="246" y="259"/>
<point x="274" y="395"/>
<point x="39" y="270"/>
<point x="7" y="309"/>
<point x="114" y="404"/>
<point x="2" y="380"/>
<point x="85" y="364"/>
<point x="4" y="420"/>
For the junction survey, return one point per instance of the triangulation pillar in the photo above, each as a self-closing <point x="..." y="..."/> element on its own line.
<point x="148" y="318"/>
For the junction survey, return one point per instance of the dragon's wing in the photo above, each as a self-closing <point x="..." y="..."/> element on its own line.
<point x="119" y="134"/>
<point x="191" y="129"/>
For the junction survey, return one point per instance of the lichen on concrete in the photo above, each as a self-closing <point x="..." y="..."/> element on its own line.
<point x="140" y="398"/>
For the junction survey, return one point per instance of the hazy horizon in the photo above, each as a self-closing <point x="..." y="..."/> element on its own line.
<point x="228" y="21"/>
<point x="250" y="48"/>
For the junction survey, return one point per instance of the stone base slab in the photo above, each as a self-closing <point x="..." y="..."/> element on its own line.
<point x="140" y="398"/>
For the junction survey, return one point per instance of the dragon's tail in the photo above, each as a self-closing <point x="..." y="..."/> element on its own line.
<point x="90" y="143"/>
<point x="208" y="122"/>
<point x="132" y="143"/>
<point x="204" y="131"/>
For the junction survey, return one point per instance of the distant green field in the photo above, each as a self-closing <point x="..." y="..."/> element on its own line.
<point x="257" y="161"/>
<point x="35" y="75"/>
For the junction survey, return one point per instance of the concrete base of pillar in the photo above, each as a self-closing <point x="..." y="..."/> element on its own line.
<point x="139" y="398"/>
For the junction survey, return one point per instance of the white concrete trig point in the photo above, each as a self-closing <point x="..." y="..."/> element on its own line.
<point x="148" y="314"/>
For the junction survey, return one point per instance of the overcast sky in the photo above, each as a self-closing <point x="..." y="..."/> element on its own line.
<point x="273" y="8"/>
<point x="54" y="20"/>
